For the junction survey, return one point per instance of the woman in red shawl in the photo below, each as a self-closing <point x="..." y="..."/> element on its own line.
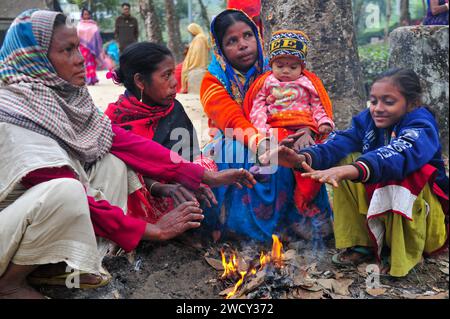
<point x="149" y="108"/>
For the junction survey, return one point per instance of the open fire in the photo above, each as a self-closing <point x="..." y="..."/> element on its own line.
<point x="231" y="268"/>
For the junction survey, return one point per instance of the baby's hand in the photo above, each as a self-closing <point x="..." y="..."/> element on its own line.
<point x="325" y="129"/>
<point x="270" y="99"/>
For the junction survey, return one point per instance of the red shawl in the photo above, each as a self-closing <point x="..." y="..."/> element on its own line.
<point x="131" y="114"/>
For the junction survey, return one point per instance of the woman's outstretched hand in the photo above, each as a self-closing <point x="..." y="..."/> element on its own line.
<point x="205" y="195"/>
<point x="299" y="140"/>
<point x="238" y="177"/>
<point x="180" y="194"/>
<point x="177" y="192"/>
<point x="332" y="176"/>
<point x="282" y="155"/>
<point x="182" y="218"/>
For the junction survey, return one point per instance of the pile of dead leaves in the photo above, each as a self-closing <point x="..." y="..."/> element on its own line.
<point x="300" y="278"/>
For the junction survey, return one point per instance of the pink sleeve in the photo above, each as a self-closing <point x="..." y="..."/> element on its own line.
<point x="108" y="221"/>
<point x="153" y="160"/>
<point x="258" y="114"/>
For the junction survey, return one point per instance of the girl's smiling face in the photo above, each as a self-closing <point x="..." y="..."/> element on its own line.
<point x="387" y="104"/>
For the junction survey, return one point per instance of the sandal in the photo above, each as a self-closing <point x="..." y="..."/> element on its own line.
<point x="61" y="280"/>
<point x="366" y="255"/>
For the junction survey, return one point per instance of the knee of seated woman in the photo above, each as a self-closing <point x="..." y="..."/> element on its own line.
<point x="67" y="192"/>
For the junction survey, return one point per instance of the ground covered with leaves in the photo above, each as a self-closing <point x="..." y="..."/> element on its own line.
<point x="182" y="270"/>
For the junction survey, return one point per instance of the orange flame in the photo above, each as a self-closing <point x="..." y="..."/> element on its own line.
<point x="238" y="284"/>
<point x="277" y="251"/>
<point x="263" y="260"/>
<point x="230" y="267"/>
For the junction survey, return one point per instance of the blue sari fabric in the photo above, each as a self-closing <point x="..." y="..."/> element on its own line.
<point x="266" y="209"/>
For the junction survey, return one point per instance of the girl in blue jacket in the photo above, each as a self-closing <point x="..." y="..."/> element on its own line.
<point x="391" y="190"/>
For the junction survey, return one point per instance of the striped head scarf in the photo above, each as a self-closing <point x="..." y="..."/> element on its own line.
<point x="224" y="72"/>
<point x="34" y="97"/>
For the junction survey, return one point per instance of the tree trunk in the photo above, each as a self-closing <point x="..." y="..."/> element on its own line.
<point x="333" y="52"/>
<point x="173" y="30"/>
<point x="405" y="17"/>
<point x="388" y="20"/>
<point x="152" y="26"/>
<point x="204" y="15"/>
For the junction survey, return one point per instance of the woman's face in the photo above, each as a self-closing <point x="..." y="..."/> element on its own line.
<point x="387" y="104"/>
<point x="86" y="15"/>
<point x="163" y="84"/>
<point x="65" y="56"/>
<point x="240" y="47"/>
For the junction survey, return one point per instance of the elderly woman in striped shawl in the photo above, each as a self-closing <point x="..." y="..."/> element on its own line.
<point x="60" y="184"/>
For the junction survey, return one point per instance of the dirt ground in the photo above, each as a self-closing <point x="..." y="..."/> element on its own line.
<point x="176" y="269"/>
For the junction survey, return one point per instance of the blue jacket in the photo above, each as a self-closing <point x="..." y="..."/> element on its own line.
<point x="389" y="154"/>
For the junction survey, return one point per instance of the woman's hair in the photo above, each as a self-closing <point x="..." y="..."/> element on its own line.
<point x="60" y="20"/>
<point x="406" y="81"/>
<point x="142" y="58"/>
<point x="226" y="19"/>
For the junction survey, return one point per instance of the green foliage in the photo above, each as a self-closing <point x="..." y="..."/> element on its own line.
<point x="362" y="13"/>
<point x="374" y="60"/>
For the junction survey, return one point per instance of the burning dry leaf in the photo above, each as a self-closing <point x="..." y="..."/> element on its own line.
<point x="375" y="292"/>
<point x="304" y="294"/>
<point x="215" y="263"/>
<point x="226" y="291"/>
<point x="254" y="283"/>
<point x="242" y="264"/>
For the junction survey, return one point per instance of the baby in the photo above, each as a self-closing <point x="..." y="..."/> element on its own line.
<point x="288" y="98"/>
<point x="292" y="98"/>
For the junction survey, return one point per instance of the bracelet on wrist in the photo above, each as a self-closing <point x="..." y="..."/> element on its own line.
<point x="151" y="187"/>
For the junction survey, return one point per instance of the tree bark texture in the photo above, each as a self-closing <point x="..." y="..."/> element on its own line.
<point x="332" y="55"/>
<point x="152" y="26"/>
<point x="173" y="30"/>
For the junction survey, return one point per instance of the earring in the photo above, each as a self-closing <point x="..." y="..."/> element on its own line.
<point x="142" y="94"/>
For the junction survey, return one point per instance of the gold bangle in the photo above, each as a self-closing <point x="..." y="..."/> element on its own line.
<point x="151" y="186"/>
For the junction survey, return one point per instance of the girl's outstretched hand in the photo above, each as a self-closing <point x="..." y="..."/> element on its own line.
<point x="283" y="156"/>
<point x="332" y="176"/>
